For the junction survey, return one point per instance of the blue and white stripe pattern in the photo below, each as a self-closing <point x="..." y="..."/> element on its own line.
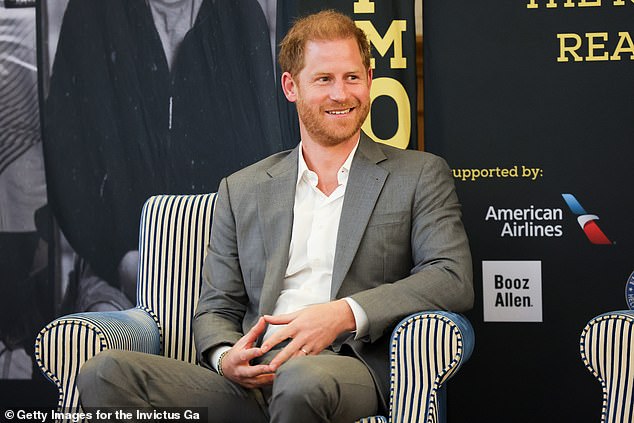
<point x="68" y="342"/>
<point x="175" y="231"/>
<point x="607" y="350"/>
<point x="373" y="419"/>
<point x="427" y="349"/>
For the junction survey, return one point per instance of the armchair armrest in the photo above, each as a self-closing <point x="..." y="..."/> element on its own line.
<point x="606" y="348"/>
<point x="427" y="349"/>
<point x="65" y="344"/>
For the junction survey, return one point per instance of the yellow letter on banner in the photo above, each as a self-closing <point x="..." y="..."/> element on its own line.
<point x="620" y="47"/>
<point x="363" y="6"/>
<point x="394" y="35"/>
<point x="593" y="46"/>
<point x="563" y="48"/>
<point x="394" y="89"/>
<point x="532" y="4"/>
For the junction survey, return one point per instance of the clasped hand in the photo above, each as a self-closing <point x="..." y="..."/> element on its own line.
<point x="309" y="330"/>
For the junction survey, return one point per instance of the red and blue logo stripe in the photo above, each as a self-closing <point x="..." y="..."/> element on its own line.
<point x="587" y="221"/>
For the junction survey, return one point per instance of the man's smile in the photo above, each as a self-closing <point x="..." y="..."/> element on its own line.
<point x="340" y="112"/>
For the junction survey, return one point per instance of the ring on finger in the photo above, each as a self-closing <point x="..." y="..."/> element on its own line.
<point x="304" y="351"/>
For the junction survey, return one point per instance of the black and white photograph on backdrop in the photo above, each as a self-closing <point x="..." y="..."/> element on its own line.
<point x="24" y="291"/>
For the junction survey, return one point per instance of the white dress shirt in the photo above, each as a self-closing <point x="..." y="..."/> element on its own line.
<point x="308" y="276"/>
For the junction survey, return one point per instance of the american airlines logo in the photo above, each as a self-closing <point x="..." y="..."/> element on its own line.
<point x="587" y="221"/>
<point x="527" y="222"/>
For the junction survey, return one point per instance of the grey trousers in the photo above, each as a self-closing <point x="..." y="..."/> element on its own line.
<point x="323" y="388"/>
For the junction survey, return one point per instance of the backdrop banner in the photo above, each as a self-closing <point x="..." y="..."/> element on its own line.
<point x="531" y="103"/>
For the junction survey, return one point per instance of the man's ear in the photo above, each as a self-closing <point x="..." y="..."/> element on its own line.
<point x="289" y="87"/>
<point x="370" y="75"/>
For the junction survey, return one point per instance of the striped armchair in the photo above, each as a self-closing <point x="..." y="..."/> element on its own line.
<point x="426" y="350"/>
<point x="607" y="350"/>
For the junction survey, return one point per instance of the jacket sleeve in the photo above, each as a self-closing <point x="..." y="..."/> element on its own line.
<point x="223" y="300"/>
<point x="441" y="275"/>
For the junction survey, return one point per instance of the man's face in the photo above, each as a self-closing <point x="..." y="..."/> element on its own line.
<point x="332" y="91"/>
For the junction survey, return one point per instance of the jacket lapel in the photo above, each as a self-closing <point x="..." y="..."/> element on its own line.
<point x="276" y="197"/>
<point x="364" y="186"/>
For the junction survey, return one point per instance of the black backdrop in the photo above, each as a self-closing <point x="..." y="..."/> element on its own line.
<point x="503" y="96"/>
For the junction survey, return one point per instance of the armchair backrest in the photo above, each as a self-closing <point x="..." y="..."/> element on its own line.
<point x="607" y="350"/>
<point x="174" y="234"/>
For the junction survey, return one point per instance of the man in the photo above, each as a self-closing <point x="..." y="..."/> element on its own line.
<point x="316" y="253"/>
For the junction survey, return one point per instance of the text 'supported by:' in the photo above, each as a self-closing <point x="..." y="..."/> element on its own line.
<point x="193" y="414"/>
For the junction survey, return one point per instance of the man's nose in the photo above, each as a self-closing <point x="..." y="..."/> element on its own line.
<point x="339" y="91"/>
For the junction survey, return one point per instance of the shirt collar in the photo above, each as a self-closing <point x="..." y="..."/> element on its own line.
<point x="342" y="174"/>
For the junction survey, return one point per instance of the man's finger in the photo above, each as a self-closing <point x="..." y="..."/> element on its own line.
<point x="282" y="319"/>
<point x="250" y="372"/>
<point x="265" y="378"/>
<point x="287" y="352"/>
<point x="259" y="381"/>
<point x="249" y="354"/>
<point x="252" y="335"/>
<point x="280" y="335"/>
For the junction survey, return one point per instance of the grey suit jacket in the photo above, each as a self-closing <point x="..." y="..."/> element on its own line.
<point x="401" y="247"/>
